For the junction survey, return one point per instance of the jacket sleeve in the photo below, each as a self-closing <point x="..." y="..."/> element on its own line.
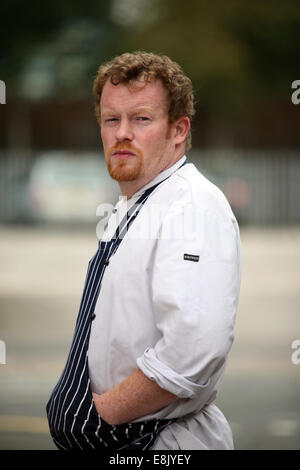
<point x="195" y="290"/>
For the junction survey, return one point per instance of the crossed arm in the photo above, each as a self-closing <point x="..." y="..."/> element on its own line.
<point x="134" y="397"/>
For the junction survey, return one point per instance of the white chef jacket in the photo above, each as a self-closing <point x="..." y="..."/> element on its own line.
<point x="168" y="302"/>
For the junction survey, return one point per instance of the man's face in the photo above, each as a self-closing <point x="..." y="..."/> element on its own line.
<point x="136" y="134"/>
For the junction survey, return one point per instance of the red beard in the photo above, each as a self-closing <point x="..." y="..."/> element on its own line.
<point x="127" y="169"/>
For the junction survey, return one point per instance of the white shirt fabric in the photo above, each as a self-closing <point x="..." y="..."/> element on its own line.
<point x="172" y="317"/>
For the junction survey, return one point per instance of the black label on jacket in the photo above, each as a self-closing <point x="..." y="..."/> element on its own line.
<point x="190" y="257"/>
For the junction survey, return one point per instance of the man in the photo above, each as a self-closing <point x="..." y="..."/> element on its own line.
<point x="157" y="315"/>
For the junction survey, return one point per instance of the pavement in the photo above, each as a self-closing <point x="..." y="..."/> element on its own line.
<point x="41" y="279"/>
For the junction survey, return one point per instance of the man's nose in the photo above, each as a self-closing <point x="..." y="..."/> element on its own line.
<point x="124" y="130"/>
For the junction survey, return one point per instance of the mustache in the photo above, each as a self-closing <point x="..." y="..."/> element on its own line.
<point x="124" y="146"/>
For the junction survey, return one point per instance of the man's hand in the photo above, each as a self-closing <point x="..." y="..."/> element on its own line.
<point x="133" y="398"/>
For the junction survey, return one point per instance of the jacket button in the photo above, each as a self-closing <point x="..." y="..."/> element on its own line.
<point x="106" y="262"/>
<point x="93" y="316"/>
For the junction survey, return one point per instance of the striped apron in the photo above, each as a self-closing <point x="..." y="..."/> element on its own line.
<point x="73" y="419"/>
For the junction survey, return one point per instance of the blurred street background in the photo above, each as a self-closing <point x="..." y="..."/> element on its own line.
<point x="243" y="59"/>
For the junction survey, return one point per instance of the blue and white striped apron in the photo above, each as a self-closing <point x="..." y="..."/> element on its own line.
<point x="73" y="419"/>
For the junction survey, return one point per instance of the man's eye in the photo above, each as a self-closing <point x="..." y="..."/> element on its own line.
<point x="142" y="118"/>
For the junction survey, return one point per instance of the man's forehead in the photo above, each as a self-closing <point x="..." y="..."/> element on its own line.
<point x="139" y="92"/>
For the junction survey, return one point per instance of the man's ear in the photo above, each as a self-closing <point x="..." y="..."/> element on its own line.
<point x="181" y="128"/>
